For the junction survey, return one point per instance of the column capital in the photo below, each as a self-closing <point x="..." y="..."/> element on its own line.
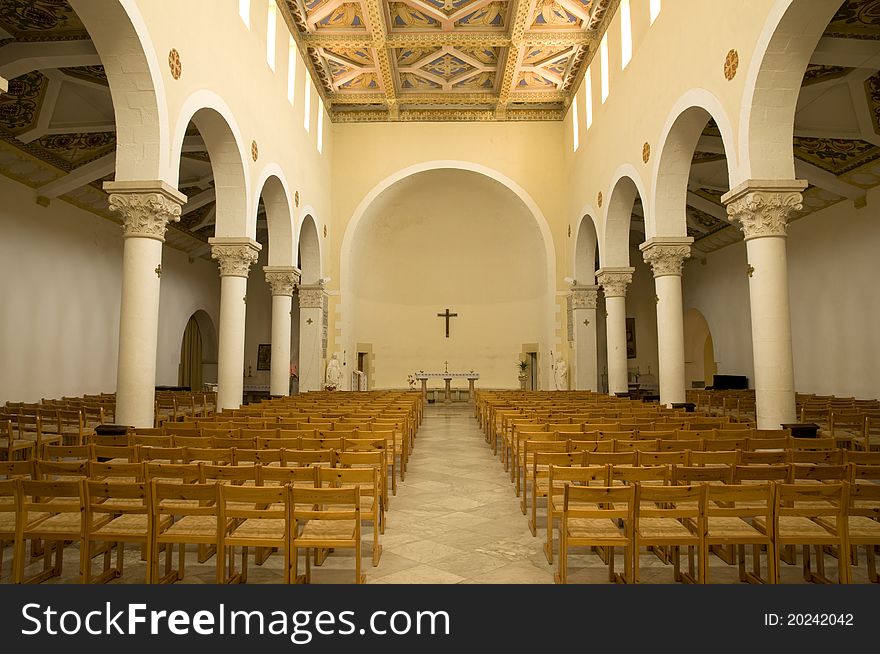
<point x="584" y="296"/>
<point x="763" y="207"/>
<point x="666" y="254"/>
<point x="312" y="296"/>
<point x="282" y="279"/>
<point x="614" y="280"/>
<point x="234" y="254"/>
<point x="146" y="207"/>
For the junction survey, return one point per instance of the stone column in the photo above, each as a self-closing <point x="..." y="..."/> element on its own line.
<point x="312" y="301"/>
<point x="283" y="281"/>
<point x="146" y="208"/>
<point x="666" y="257"/>
<point x="614" y="282"/>
<point x="235" y="256"/>
<point x="762" y="209"/>
<point x="583" y="313"/>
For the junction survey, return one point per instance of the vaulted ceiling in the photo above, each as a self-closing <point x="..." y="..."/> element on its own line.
<point x="376" y="60"/>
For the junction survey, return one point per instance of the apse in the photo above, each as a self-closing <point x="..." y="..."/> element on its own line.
<point x="447" y="239"/>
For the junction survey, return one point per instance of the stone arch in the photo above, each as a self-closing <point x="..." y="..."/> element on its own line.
<point x="772" y="87"/>
<point x="274" y="192"/>
<point x="678" y="142"/>
<point x="586" y="244"/>
<point x="134" y="76"/>
<point x="614" y="246"/>
<point x="309" y="249"/>
<point x="235" y="216"/>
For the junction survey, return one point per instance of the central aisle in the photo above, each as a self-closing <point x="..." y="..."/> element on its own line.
<point x="456" y="518"/>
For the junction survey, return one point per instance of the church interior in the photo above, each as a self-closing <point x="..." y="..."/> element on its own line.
<point x="440" y="291"/>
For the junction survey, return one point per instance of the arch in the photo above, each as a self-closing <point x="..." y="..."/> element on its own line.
<point x="309" y="250"/>
<point x="133" y="73"/>
<point x="678" y="141"/>
<point x="773" y="83"/>
<point x="626" y="185"/>
<point x="222" y="137"/>
<point x="205" y="351"/>
<point x="275" y="193"/>
<point x="586" y="242"/>
<point x="697" y="341"/>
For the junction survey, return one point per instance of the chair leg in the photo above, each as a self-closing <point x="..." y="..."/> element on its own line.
<point x="548" y="546"/>
<point x="872" y="564"/>
<point x="772" y="565"/>
<point x="85" y="562"/>
<point x="562" y="571"/>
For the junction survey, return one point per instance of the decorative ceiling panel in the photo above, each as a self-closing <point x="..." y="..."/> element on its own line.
<point x="856" y="19"/>
<point x="447" y="59"/>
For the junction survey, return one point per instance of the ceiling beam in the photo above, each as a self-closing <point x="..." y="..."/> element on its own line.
<point x="862" y="104"/>
<point x="706" y="206"/>
<point x="520" y="15"/>
<point x="83" y="175"/>
<point x="825" y="180"/>
<point x="850" y="53"/>
<point x="46" y="109"/>
<point x="4" y="85"/>
<point x="383" y="59"/>
<point x="199" y="200"/>
<point x="16" y="59"/>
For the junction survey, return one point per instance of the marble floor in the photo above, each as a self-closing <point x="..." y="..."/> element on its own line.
<point x="454" y="520"/>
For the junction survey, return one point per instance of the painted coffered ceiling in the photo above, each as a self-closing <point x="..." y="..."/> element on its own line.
<point x="378" y="60"/>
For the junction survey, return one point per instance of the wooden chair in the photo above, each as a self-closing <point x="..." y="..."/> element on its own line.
<point x="258" y="517"/>
<point x="10" y="445"/>
<point x="540" y="476"/>
<point x="9" y="501"/>
<point x="370" y="493"/>
<point x="671" y="517"/>
<point x="599" y="517"/>
<point x="52" y="512"/>
<point x="863" y="523"/>
<point x="558" y="477"/>
<point x="369" y="459"/>
<point x="526" y="461"/>
<point x="184" y="514"/>
<point x="115" y="513"/>
<point x="72" y="427"/>
<point x="330" y="519"/>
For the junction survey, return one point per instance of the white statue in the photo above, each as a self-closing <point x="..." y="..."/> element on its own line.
<point x="334" y="373"/>
<point x="560" y="373"/>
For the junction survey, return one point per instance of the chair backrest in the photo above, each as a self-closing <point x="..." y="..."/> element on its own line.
<point x="326" y="503"/>
<point x="230" y="474"/>
<point x="16" y="469"/>
<point x="740" y="501"/>
<point x="826" y="457"/>
<point x="117" y="498"/>
<point x="321" y="443"/>
<point x="590" y="446"/>
<point x="272" y="475"/>
<point x="636" y="445"/>
<point x="192" y="441"/>
<point x="562" y="475"/>
<point x="661" y="434"/>
<point x="362" y="459"/>
<point x="680" y="445"/>
<point x="599" y="502"/>
<point x="771" y="472"/>
<point x="309" y="457"/>
<point x="864" y="500"/>
<point x="764" y="443"/>
<point x="812" y="443"/>
<point x="253" y="503"/>
<point x="672" y="457"/>
<point x="124" y="452"/>
<point x="611" y="458"/>
<point x="725" y="445"/>
<point x="763" y="457"/>
<point x="858" y="472"/>
<point x="115" y="471"/>
<point x="639" y="474"/>
<point x="367" y="479"/>
<point x="60" y="452"/>
<point x="151" y="441"/>
<point x="856" y="456"/>
<point x="694" y="434"/>
<point x="675" y="502"/>
<point x="714" y="458"/>
<point x="242" y="456"/>
<point x="9" y="493"/>
<point x="35" y="494"/>
<point x="188" y="473"/>
<point x="812" y="501"/>
<point x="185" y="499"/>
<point x="57" y="470"/>
<point x="686" y="475"/>
<point x="170" y="454"/>
<point x="818" y="472"/>
<point x="214" y="455"/>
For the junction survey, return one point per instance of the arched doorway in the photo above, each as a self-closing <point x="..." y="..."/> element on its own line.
<point x="699" y="350"/>
<point x="198" y="353"/>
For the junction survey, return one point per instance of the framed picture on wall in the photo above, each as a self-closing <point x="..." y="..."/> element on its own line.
<point x="630" y="338"/>
<point x="264" y="357"/>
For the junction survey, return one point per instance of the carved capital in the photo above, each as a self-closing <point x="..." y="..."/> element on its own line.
<point x="584" y="297"/>
<point x="763" y="208"/>
<point x="614" y="280"/>
<point x="312" y="296"/>
<point x="235" y="255"/>
<point x="666" y="256"/>
<point x="282" y="279"/>
<point x="145" y="214"/>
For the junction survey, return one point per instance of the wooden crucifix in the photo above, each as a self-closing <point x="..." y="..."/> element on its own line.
<point x="447" y="315"/>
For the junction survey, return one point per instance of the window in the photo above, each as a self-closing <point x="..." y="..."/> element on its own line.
<point x="603" y="55"/>
<point x="588" y="92"/>
<point x="575" y="127"/>
<point x="626" y="43"/>
<point x="655" y="10"/>
<point x="244" y="10"/>
<point x="291" y="70"/>
<point x="307" y="99"/>
<point x="270" y="34"/>
<point x="320" y="126"/>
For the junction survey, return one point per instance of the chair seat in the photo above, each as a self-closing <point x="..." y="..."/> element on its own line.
<point x="193" y="525"/>
<point x="730" y="527"/>
<point x="59" y="523"/>
<point x="859" y="526"/>
<point x="663" y="528"/>
<point x="129" y="525"/>
<point x="264" y="528"/>
<point x="594" y="527"/>
<point x="794" y="526"/>
<point x="328" y="530"/>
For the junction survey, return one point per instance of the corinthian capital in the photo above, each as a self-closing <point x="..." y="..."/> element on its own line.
<point x="666" y="255"/>
<point x="312" y="296"/>
<point x="235" y="255"/>
<point x="282" y="279"/>
<point x="584" y="297"/>
<point x="146" y="208"/>
<point x="614" y="280"/>
<point x="762" y="207"/>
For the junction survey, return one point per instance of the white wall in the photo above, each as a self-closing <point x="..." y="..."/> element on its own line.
<point x="258" y="324"/>
<point x="835" y="309"/>
<point x="59" y="331"/>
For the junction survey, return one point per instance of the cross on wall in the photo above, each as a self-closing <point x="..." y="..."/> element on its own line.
<point x="447" y="315"/>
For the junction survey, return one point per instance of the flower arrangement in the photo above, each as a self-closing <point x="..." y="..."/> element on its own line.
<point x="522" y="364"/>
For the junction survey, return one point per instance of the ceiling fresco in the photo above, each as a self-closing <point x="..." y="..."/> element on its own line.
<point x="377" y="60"/>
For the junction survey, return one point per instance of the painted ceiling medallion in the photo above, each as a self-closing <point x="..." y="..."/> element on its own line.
<point x="174" y="63"/>
<point x="646" y="152"/>
<point x="731" y="63"/>
<point x="255" y="151"/>
<point x="599" y="199"/>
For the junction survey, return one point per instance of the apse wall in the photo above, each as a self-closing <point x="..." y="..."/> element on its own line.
<point x="59" y="331"/>
<point x="835" y="308"/>
<point x="447" y="239"/>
